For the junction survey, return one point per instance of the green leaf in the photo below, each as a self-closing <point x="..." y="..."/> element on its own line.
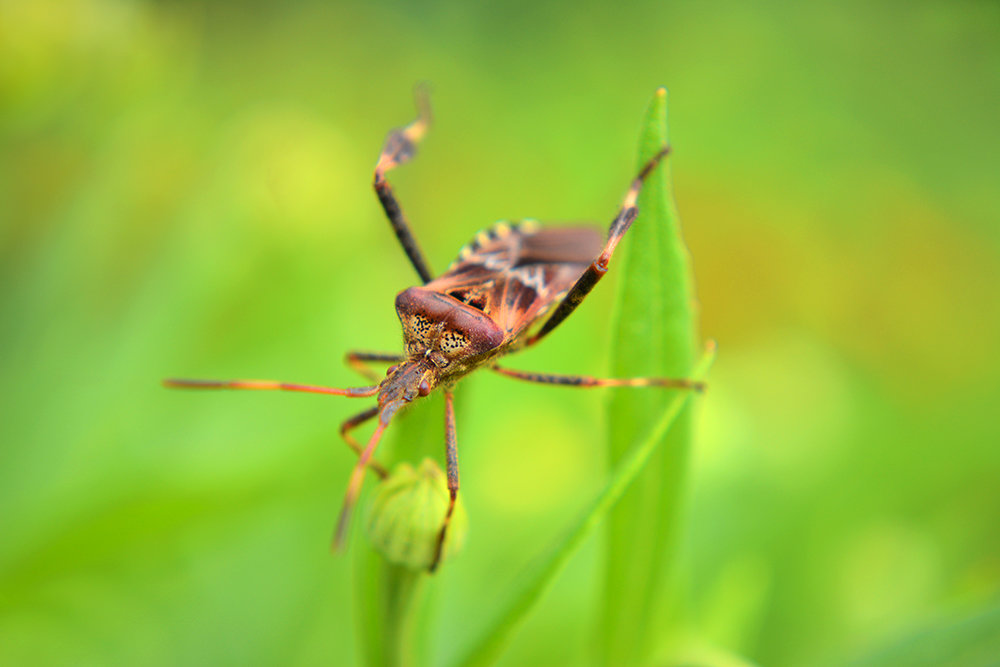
<point x="541" y="577"/>
<point x="653" y="335"/>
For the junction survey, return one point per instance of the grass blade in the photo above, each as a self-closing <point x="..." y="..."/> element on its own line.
<point x="546" y="569"/>
<point x="653" y="334"/>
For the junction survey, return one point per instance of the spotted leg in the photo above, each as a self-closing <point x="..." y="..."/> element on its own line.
<point x="587" y="381"/>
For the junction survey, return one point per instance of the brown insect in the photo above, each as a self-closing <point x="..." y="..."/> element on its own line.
<point x="503" y="282"/>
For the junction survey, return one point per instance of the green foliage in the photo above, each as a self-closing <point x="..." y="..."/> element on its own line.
<point x="969" y="641"/>
<point x="185" y="190"/>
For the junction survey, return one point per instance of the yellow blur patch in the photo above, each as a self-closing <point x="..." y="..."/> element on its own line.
<point x="537" y="462"/>
<point x="294" y="171"/>
<point x="887" y="570"/>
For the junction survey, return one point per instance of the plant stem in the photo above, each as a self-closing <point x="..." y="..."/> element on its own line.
<point x="390" y="599"/>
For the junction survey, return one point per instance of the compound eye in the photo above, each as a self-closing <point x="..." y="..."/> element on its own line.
<point x="420" y="325"/>
<point x="453" y="342"/>
<point x="417" y="329"/>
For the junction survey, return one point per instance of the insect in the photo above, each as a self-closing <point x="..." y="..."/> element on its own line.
<point x="485" y="306"/>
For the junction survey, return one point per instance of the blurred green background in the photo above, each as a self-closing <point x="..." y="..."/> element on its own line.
<point x="185" y="191"/>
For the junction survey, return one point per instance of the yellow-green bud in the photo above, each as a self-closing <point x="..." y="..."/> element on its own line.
<point x="407" y="513"/>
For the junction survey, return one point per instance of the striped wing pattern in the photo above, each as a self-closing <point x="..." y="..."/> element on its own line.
<point x="515" y="272"/>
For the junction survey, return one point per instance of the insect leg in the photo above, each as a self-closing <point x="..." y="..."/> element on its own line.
<point x="400" y="147"/>
<point x="357" y="359"/>
<point x="587" y="381"/>
<point x="451" y="454"/>
<point x="619" y="226"/>
<point x="351" y="424"/>
<point x="354" y="485"/>
<point x="260" y="385"/>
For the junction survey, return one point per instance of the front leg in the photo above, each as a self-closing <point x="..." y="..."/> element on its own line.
<point x="400" y="147"/>
<point x="345" y="433"/>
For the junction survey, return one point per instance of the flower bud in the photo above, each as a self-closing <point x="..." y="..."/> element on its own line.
<point x="407" y="513"/>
